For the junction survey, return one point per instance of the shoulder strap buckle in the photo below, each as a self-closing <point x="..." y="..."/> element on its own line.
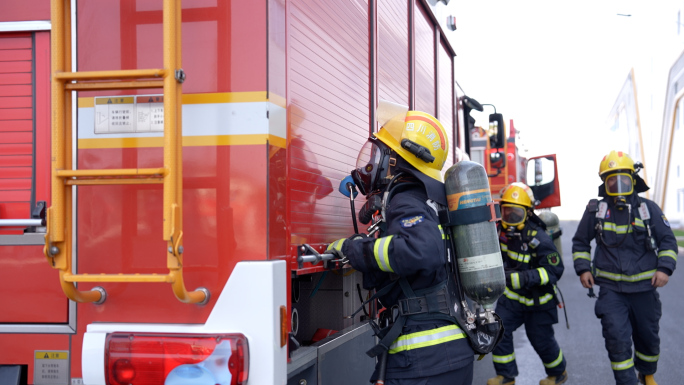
<point x="643" y="212"/>
<point x="602" y="210"/>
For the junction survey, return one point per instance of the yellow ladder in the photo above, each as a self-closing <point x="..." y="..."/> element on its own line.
<point x="58" y="239"/>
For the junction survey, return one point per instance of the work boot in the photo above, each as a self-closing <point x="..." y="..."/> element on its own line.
<point x="501" y="380"/>
<point x="554" y="380"/>
<point x="647" y="379"/>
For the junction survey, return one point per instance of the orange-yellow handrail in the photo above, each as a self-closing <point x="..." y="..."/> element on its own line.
<point x="58" y="238"/>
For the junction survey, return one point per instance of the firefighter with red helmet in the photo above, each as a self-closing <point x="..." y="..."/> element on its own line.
<point x="636" y="252"/>
<point x="533" y="266"/>
<point x="406" y="263"/>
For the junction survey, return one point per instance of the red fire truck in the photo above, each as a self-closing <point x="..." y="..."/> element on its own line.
<point x="498" y="152"/>
<point x="166" y="165"/>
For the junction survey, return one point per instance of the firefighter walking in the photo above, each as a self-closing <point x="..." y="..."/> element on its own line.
<point x="406" y="263"/>
<point x="533" y="266"/>
<point x="636" y="253"/>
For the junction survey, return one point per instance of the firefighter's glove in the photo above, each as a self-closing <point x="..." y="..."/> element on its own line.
<point x="515" y="280"/>
<point x="335" y="248"/>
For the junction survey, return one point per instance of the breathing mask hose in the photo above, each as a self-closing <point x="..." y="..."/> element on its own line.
<point x="350" y="187"/>
<point x="565" y="311"/>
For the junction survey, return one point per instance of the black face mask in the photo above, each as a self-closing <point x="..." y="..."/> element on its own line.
<point x="372" y="165"/>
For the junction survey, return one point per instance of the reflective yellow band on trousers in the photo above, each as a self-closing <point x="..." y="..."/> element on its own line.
<point x="646" y="358"/>
<point x="626" y="364"/>
<point x="555" y="362"/>
<point x="503" y="359"/>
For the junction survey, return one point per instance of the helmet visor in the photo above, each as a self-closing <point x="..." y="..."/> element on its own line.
<point x="513" y="215"/>
<point x="367" y="167"/>
<point x="619" y="184"/>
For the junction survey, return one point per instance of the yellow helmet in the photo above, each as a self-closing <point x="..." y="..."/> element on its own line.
<point x="517" y="194"/>
<point x="614" y="161"/>
<point x="420" y="140"/>
<point x="515" y="201"/>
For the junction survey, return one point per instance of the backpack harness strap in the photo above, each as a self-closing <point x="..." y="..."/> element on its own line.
<point x="425" y="304"/>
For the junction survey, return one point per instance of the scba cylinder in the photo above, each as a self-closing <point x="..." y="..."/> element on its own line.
<point x="552" y="228"/>
<point x="477" y="245"/>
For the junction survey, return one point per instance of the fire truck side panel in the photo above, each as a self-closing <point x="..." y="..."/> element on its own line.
<point x="278" y="231"/>
<point x="424" y="53"/>
<point x="120" y="227"/>
<point x="224" y="42"/>
<point x="24" y="161"/>
<point x="226" y="131"/>
<point x="276" y="105"/>
<point x="20" y="349"/>
<point x="27" y="10"/>
<point x="445" y="97"/>
<point x="328" y="112"/>
<point x="393" y="57"/>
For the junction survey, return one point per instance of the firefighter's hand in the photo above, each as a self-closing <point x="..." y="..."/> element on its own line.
<point x="335" y="248"/>
<point x="660" y="279"/>
<point x="587" y="280"/>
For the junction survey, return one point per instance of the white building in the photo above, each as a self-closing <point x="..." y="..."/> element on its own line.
<point x="648" y="113"/>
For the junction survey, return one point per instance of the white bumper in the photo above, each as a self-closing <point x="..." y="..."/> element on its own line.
<point x="249" y="304"/>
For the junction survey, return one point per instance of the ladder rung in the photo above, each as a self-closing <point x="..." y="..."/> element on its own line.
<point x="95" y="182"/>
<point x="118" y="278"/>
<point x="99" y="86"/>
<point x="111" y="75"/>
<point x="156" y="172"/>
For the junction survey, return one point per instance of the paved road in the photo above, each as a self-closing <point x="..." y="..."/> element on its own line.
<point x="583" y="344"/>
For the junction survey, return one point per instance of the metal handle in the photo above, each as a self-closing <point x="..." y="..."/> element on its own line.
<point x="21" y="222"/>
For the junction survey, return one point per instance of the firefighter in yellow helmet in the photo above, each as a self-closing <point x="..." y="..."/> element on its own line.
<point x="399" y="172"/>
<point x="533" y="266"/>
<point x="636" y="252"/>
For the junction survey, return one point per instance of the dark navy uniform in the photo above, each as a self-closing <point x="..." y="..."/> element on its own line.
<point x="624" y="264"/>
<point x="530" y="298"/>
<point x="413" y="246"/>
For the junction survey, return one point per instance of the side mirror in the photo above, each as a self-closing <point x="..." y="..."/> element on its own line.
<point x="542" y="177"/>
<point x="470" y="104"/>
<point x="497" y="131"/>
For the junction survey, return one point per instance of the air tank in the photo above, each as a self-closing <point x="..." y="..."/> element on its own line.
<point x="477" y="245"/>
<point x="552" y="228"/>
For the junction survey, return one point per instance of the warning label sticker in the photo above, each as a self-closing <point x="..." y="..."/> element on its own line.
<point x="150" y="113"/>
<point x="123" y="114"/>
<point x="51" y="367"/>
<point x="480" y="262"/>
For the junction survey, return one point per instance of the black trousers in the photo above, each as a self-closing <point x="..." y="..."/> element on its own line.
<point x="539" y="329"/>
<point x="627" y="317"/>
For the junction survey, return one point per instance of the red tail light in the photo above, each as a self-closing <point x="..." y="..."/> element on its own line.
<point x="202" y="359"/>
